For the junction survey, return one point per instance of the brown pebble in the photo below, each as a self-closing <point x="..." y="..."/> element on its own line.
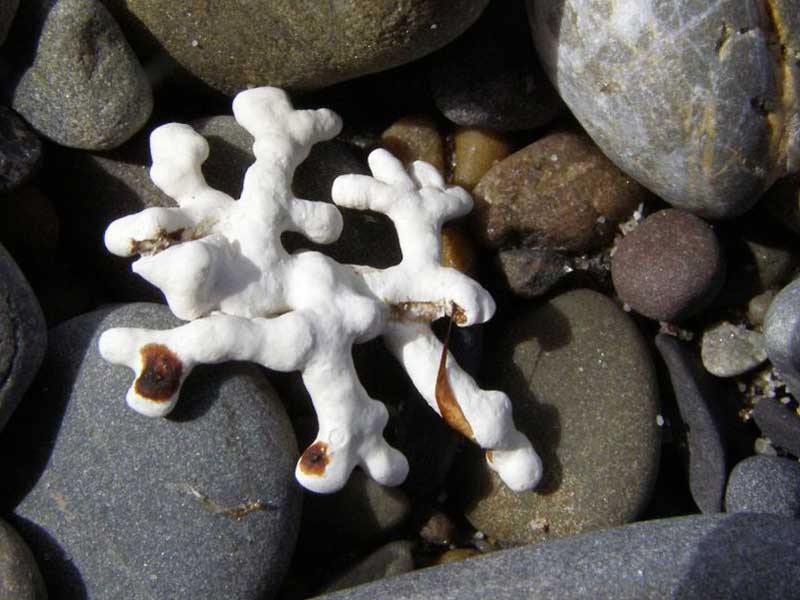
<point x="670" y="267"/>
<point x="475" y="151"/>
<point x="415" y="138"/>
<point x="559" y="192"/>
<point x="458" y="250"/>
<point x="439" y="529"/>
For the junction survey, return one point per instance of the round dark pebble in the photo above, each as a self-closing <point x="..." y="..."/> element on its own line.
<point x="765" y="484"/>
<point x="670" y="267"/>
<point x="20" y="151"/>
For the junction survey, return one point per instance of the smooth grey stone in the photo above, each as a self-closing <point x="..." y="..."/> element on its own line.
<point x="779" y="423"/>
<point x="782" y="335"/>
<point x="20" y="578"/>
<point x="23" y="337"/>
<point x="728" y="350"/>
<point x="8" y="8"/>
<point x="695" y="100"/>
<point x="715" y="557"/>
<point x="700" y="413"/>
<point x="81" y="85"/>
<point x="202" y="504"/>
<point x="387" y="561"/>
<point x="584" y="392"/>
<point x="20" y="151"/>
<point x="302" y="46"/>
<point x="765" y="484"/>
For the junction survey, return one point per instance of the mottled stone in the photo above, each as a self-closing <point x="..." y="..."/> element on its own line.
<point x="584" y="391"/>
<point x="723" y="556"/>
<point x="23" y="337"/>
<point x="757" y="307"/>
<point x="701" y="421"/>
<point x="559" y="192"/>
<point x="695" y="100"/>
<point x="475" y="151"/>
<point x="531" y="272"/>
<point x="490" y="77"/>
<point x="20" y="151"/>
<point x="728" y="350"/>
<point x="782" y="335"/>
<point x="232" y="46"/>
<point x="765" y="484"/>
<point x="415" y="138"/>
<point x="7" y="11"/>
<point x="116" y="505"/>
<point x="387" y="561"/>
<point x="20" y="578"/>
<point x="670" y="267"/>
<point x="81" y="85"/>
<point x="779" y="423"/>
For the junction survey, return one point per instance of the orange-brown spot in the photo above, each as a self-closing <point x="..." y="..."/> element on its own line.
<point x="163" y="240"/>
<point x="161" y="375"/>
<point x="445" y="399"/>
<point x="315" y="459"/>
<point x="426" y="312"/>
<point x="490" y="456"/>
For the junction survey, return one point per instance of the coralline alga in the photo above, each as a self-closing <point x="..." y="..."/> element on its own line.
<point x="221" y="266"/>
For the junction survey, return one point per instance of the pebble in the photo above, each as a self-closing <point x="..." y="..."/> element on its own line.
<point x="531" y="272"/>
<point x="458" y="249"/>
<point x="490" y="77"/>
<point x="415" y="138"/>
<point x="20" y="151"/>
<point x="758" y="306"/>
<point x="584" y="391"/>
<point x="233" y="46"/>
<point x="456" y="555"/>
<point x="21" y="579"/>
<point x="782" y="332"/>
<point x="779" y="423"/>
<point x="202" y="504"/>
<point x="559" y="192"/>
<point x="7" y="11"/>
<point x="387" y="561"/>
<point x="439" y="529"/>
<point x="475" y="151"/>
<point x="81" y="86"/>
<point x="670" y="267"/>
<point x="701" y="421"/>
<point x="728" y="350"/>
<point x="686" y="557"/>
<point x="765" y="484"/>
<point x="23" y="336"/>
<point x="689" y="101"/>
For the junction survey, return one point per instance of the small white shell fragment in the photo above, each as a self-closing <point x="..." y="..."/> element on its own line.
<point x="221" y="266"/>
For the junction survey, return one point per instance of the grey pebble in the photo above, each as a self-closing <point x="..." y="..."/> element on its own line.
<point x="686" y="97"/>
<point x="584" y="391"/>
<point x="765" y="484"/>
<point x="20" y="151"/>
<point x="716" y="557"/>
<point x="700" y="413"/>
<point x="81" y="85"/>
<point x="199" y="505"/>
<point x="782" y="335"/>
<point x="20" y="578"/>
<point x="23" y="337"/>
<point x="779" y="423"/>
<point x="728" y="350"/>
<point x="387" y="561"/>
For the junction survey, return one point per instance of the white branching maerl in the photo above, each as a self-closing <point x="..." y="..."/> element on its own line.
<point x="221" y="266"/>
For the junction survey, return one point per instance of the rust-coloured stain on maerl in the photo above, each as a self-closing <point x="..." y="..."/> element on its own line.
<point x="445" y="399"/>
<point x="315" y="459"/>
<point x="161" y="375"/>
